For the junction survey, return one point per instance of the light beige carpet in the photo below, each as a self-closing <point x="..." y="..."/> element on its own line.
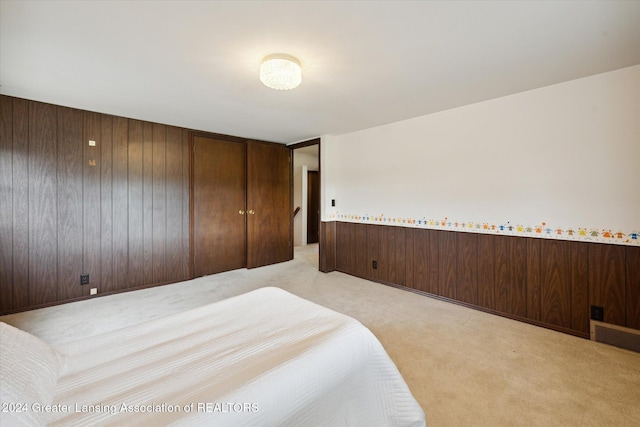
<point x="465" y="367"/>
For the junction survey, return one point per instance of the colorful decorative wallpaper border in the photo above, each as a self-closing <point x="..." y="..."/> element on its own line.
<point x="542" y="230"/>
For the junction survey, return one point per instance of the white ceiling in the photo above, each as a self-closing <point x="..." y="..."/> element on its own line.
<point x="195" y="63"/>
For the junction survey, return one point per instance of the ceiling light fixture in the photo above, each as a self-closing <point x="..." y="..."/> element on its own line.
<point x="280" y="71"/>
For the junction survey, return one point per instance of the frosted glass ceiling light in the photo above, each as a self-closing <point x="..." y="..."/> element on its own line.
<point x="280" y="71"/>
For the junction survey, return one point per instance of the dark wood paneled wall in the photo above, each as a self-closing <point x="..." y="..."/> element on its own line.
<point x="547" y="282"/>
<point x="327" y="246"/>
<point x="118" y="211"/>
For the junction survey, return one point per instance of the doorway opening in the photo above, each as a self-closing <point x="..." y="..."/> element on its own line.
<point x="306" y="192"/>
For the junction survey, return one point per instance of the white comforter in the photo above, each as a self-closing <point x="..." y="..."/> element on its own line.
<point x="266" y="358"/>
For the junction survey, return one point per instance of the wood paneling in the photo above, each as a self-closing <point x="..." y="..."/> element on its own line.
<point x="374" y="253"/>
<point x="517" y="291"/>
<point x="544" y="281"/>
<point x="555" y="294"/>
<point x="393" y="240"/>
<point x="344" y="251"/>
<point x="91" y="201"/>
<point x="351" y="248"/>
<point x="159" y="204"/>
<point x="410" y="256"/>
<point x="500" y="273"/>
<point x="633" y="288"/>
<point x="174" y="204"/>
<point x="106" y="204"/>
<point x="43" y="218"/>
<point x="580" y="287"/>
<point x="70" y="202"/>
<point x="120" y="203"/>
<point x="534" y="278"/>
<point x="486" y="271"/>
<point x="425" y="266"/>
<point x="362" y="263"/>
<point x="327" y="247"/>
<point x="467" y="267"/>
<point x="20" y="203"/>
<point x="447" y="264"/>
<point x="136" y="212"/>
<point x="607" y="281"/>
<point x="432" y="284"/>
<point x="147" y="203"/>
<point x="102" y="210"/>
<point x="187" y="255"/>
<point x="6" y="206"/>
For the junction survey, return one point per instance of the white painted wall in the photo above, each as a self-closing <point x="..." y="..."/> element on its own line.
<point x="308" y="159"/>
<point x="564" y="157"/>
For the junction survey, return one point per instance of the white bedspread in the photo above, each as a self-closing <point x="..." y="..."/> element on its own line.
<point x="265" y="358"/>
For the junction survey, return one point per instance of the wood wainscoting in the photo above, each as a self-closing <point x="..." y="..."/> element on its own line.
<point x="550" y="283"/>
<point x="327" y="246"/>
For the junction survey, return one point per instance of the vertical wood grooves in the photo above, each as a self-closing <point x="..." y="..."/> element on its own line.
<point x="120" y="208"/>
<point x="158" y="204"/>
<point x="327" y="246"/>
<point x="72" y="209"/>
<point x="580" y="287"/>
<point x="92" y="201"/>
<point x="555" y="295"/>
<point x="467" y="267"/>
<point x="70" y="223"/>
<point x="447" y="265"/>
<point x="396" y="238"/>
<point x="517" y="281"/>
<point x="21" y="231"/>
<point x="186" y="206"/>
<point x="147" y="203"/>
<point x="501" y="273"/>
<point x="43" y="254"/>
<point x="6" y="204"/>
<point x="373" y="253"/>
<point x="545" y="281"/>
<point x="106" y="213"/>
<point x="633" y="288"/>
<point x="486" y="271"/>
<point x="534" y="279"/>
<point x="607" y="281"/>
<point x="134" y="203"/>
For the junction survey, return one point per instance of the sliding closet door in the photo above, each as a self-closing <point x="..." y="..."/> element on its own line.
<point x="269" y="208"/>
<point x="219" y="194"/>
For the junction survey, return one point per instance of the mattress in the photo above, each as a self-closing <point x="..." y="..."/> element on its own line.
<point x="265" y="358"/>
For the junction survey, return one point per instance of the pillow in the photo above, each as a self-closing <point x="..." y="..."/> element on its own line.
<point x="29" y="370"/>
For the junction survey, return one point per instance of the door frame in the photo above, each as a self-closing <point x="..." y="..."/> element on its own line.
<point x="308" y="143"/>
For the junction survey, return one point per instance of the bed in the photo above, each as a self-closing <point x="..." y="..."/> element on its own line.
<point x="265" y="358"/>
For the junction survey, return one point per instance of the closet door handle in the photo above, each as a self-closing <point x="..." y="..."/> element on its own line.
<point x="241" y="212"/>
<point x="251" y="212"/>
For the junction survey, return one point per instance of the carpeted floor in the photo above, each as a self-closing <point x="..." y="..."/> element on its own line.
<point x="465" y="367"/>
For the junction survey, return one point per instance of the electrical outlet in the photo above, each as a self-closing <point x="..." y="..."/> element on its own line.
<point x="333" y="202"/>
<point x="375" y="265"/>
<point x="93" y="291"/>
<point x="84" y="279"/>
<point x="597" y="313"/>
